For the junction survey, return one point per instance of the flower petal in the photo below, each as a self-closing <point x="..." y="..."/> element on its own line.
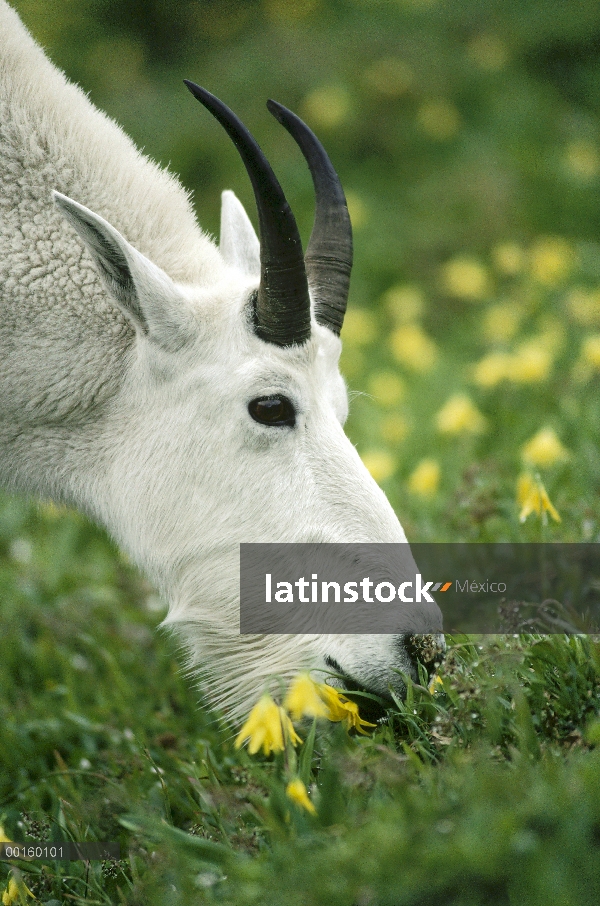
<point x="296" y="791"/>
<point x="262" y="728"/>
<point x="302" y="699"/>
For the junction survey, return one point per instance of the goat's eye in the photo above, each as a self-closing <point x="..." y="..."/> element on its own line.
<point x="275" y="411"/>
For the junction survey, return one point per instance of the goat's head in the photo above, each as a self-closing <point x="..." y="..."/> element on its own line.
<point x="228" y="425"/>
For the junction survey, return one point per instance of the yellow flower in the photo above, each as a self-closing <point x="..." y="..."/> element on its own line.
<point x="389" y="76"/>
<point x="589" y="359"/>
<point x="583" y="306"/>
<point x="552" y="259"/>
<point x="339" y="708"/>
<point x="502" y="321"/>
<point x="530" y="364"/>
<point x="288" y="728"/>
<point x="380" y="464"/>
<point x="590" y="351"/>
<point x="405" y="302"/>
<point x="283" y="11"/>
<point x="532" y="497"/>
<point x="492" y="369"/>
<point x="387" y="388"/>
<point x="3" y="837"/>
<point x="489" y="52"/>
<point x="544" y="449"/>
<point x="302" y="699"/>
<point x="359" y="327"/>
<point x="327" y="106"/>
<point x="393" y="429"/>
<point x="425" y="479"/>
<point x="509" y="258"/>
<point x="53" y="510"/>
<point x="582" y="160"/>
<point x="413" y="348"/>
<point x="263" y="728"/>
<point x="435" y="682"/>
<point x="333" y="699"/>
<point x="296" y="791"/>
<point x="466" y="278"/>
<point x="16" y="891"/>
<point x="439" y="119"/>
<point x="460" y="416"/>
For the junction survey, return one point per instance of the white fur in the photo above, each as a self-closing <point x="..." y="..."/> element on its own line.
<point x="238" y="243"/>
<point x="126" y="368"/>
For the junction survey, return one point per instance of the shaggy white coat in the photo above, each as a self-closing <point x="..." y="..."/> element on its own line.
<point x="127" y="362"/>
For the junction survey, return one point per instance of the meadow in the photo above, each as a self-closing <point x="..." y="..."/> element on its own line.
<point x="467" y="138"/>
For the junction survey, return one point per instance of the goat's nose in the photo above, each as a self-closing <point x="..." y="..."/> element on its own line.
<point x="429" y="649"/>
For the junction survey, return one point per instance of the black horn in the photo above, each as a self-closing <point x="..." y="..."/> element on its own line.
<point x="282" y="308"/>
<point x="328" y="257"/>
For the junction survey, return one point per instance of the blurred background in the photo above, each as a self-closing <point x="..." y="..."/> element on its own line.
<point x="466" y="135"/>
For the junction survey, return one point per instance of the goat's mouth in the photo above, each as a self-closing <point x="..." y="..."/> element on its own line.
<point x="425" y="650"/>
<point x="372" y="706"/>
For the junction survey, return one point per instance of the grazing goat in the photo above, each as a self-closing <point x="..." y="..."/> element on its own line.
<point x="185" y="396"/>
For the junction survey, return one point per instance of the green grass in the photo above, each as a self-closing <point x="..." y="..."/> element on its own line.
<point x="486" y="791"/>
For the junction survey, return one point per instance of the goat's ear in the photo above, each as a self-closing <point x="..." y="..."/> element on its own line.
<point x="238" y="243"/>
<point x="146" y="295"/>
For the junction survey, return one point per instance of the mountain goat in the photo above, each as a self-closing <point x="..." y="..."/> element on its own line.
<point x="185" y="396"/>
